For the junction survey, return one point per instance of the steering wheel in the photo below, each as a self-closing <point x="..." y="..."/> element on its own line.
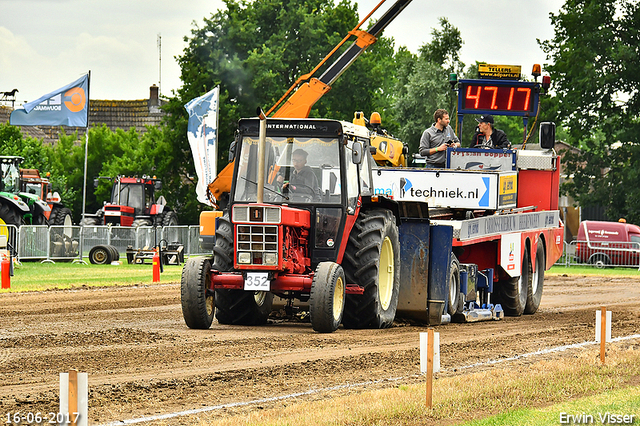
<point x="301" y="190"/>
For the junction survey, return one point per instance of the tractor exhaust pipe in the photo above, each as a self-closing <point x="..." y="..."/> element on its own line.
<point x="262" y="142"/>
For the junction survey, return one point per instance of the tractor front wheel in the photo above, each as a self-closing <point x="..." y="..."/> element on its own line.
<point x="326" y="302"/>
<point x="198" y="300"/>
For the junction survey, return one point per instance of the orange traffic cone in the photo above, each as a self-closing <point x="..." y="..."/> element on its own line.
<point x="5" y="264"/>
<point x="156" y="267"/>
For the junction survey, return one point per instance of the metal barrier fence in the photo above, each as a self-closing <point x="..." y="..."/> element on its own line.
<point x="601" y="254"/>
<point x="70" y="243"/>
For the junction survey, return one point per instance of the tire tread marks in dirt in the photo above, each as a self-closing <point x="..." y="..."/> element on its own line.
<point x="236" y="307"/>
<point x="361" y="265"/>
<point x="196" y="299"/>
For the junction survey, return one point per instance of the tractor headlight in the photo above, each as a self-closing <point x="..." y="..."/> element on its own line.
<point x="270" y="259"/>
<point x="244" y="257"/>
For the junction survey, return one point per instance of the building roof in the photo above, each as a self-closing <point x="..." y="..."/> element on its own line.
<point x="114" y="114"/>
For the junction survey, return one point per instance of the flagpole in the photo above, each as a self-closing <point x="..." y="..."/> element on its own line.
<point x="215" y="156"/>
<point x="86" y="148"/>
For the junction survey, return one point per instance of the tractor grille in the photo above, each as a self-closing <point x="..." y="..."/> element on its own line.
<point x="257" y="244"/>
<point x="256" y="213"/>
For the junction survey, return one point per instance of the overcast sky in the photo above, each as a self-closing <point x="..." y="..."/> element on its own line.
<point x="46" y="44"/>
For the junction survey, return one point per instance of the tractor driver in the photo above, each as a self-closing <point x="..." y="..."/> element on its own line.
<point x="303" y="180"/>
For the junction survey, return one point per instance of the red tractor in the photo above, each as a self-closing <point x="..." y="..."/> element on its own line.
<point x="133" y="203"/>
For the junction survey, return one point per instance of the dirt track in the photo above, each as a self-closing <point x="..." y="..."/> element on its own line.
<point x="142" y="360"/>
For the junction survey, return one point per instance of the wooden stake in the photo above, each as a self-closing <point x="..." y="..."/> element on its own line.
<point x="430" y="339"/>
<point x="603" y="332"/>
<point x="73" y="397"/>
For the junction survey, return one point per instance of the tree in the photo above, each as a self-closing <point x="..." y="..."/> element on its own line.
<point x="596" y="74"/>
<point x="423" y="83"/>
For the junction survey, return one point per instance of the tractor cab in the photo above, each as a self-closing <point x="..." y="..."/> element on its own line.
<point x="26" y="205"/>
<point x="137" y="193"/>
<point x="10" y="174"/>
<point x="309" y="167"/>
<point x="133" y="202"/>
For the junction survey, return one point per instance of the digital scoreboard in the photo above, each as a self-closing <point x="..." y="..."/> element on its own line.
<point x="500" y="97"/>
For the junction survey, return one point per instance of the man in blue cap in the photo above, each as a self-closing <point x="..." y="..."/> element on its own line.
<point x="488" y="136"/>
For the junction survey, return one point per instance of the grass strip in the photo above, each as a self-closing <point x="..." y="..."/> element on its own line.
<point x="620" y="406"/>
<point x="34" y="276"/>
<point x="592" y="271"/>
<point x="516" y="390"/>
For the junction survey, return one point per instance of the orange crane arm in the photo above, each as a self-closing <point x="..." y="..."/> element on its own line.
<point x="307" y="93"/>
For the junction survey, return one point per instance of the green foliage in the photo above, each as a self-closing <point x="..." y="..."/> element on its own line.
<point x="423" y="83"/>
<point x="596" y="75"/>
<point x="28" y="148"/>
<point x="255" y="50"/>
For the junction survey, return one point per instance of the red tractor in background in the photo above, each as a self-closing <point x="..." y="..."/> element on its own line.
<point x="31" y="182"/>
<point x="133" y="203"/>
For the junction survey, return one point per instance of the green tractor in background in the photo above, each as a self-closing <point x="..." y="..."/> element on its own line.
<point x="16" y="207"/>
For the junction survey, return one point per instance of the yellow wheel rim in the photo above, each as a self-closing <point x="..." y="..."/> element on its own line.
<point x="210" y="305"/>
<point x="4" y="229"/>
<point x="386" y="273"/>
<point x="338" y="299"/>
<point x="260" y="297"/>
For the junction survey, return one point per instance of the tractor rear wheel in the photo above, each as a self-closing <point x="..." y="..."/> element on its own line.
<point x="60" y="216"/>
<point x="512" y="293"/>
<point x="170" y="219"/>
<point x="454" y="286"/>
<point x="534" y="292"/>
<point x="236" y="307"/>
<point x="141" y="222"/>
<point x="100" y="255"/>
<point x="326" y="302"/>
<point x="198" y="301"/>
<point x="90" y="221"/>
<point x="9" y="216"/>
<point x="372" y="260"/>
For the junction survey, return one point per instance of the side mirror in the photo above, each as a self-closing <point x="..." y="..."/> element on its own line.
<point x="547" y="135"/>
<point x="356" y="152"/>
<point x="157" y="185"/>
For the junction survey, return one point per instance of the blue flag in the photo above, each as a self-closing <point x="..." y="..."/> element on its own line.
<point x="202" y="132"/>
<point x="67" y="106"/>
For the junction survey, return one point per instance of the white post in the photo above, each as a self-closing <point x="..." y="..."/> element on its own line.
<point x="74" y="399"/>
<point x="424" y="339"/>
<point x="429" y="362"/>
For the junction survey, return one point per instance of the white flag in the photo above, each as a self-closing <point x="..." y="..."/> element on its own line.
<point x="202" y="132"/>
